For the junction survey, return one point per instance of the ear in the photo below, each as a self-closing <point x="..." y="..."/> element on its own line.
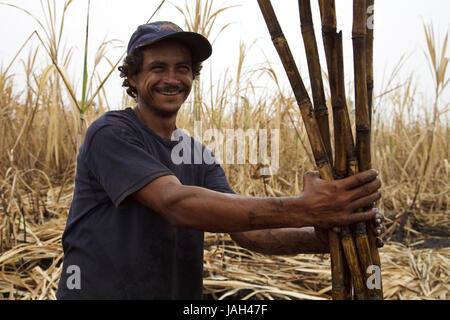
<point x="132" y="80"/>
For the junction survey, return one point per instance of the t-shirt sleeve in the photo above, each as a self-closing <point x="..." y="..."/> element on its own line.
<point x="121" y="163"/>
<point x="216" y="180"/>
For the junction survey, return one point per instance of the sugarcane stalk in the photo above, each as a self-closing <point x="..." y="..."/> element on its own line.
<point x="360" y="230"/>
<point x="345" y="143"/>
<point x="329" y="35"/>
<point x="321" y="111"/>
<point x="361" y="108"/>
<point x="370" y="84"/>
<point x="369" y="56"/>
<point x="363" y="122"/>
<point x="345" y="158"/>
<point x="314" y="136"/>
<point x="337" y="89"/>
<point x="315" y="74"/>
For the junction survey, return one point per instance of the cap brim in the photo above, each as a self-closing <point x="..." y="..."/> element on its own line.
<point x="200" y="47"/>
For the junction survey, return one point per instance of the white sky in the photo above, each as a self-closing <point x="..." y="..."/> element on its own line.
<point x="398" y="31"/>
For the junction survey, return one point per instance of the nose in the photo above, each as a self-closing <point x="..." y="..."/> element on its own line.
<point x="171" y="77"/>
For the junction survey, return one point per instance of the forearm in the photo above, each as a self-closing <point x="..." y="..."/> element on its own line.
<point x="202" y="209"/>
<point x="322" y="204"/>
<point x="284" y="241"/>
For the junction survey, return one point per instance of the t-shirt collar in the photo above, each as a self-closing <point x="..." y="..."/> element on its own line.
<point x="167" y="142"/>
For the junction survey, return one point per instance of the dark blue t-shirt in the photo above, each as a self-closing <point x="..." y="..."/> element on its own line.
<point x="115" y="247"/>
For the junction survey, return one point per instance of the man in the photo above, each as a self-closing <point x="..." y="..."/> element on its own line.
<point x="135" y="226"/>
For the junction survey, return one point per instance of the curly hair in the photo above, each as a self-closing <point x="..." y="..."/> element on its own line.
<point x="132" y="65"/>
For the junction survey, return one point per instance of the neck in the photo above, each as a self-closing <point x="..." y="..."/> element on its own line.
<point x="162" y="125"/>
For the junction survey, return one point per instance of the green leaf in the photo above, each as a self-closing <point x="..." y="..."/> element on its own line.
<point x="85" y="71"/>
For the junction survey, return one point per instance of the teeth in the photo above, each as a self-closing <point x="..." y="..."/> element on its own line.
<point x="169" y="93"/>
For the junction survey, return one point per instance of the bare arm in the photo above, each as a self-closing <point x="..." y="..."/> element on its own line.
<point x="322" y="204"/>
<point x="292" y="241"/>
<point x="286" y="241"/>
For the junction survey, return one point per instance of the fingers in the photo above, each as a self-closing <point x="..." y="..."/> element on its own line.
<point x="337" y="229"/>
<point x="360" y="179"/>
<point x="374" y="216"/>
<point x="366" y="201"/>
<point x="348" y="219"/>
<point x="379" y="242"/>
<point x="379" y="229"/>
<point x="379" y="223"/>
<point x="361" y="216"/>
<point x="310" y="175"/>
<point x="379" y="219"/>
<point x="366" y="189"/>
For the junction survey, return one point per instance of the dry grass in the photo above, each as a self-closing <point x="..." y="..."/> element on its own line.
<point x="31" y="270"/>
<point x="232" y="271"/>
<point x="38" y="145"/>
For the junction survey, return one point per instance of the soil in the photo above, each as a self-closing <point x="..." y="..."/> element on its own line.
<point x="426" y="237"/>
<point x="432" y="243"/>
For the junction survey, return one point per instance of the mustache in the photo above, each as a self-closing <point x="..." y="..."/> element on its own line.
<point x="170" y="88"/>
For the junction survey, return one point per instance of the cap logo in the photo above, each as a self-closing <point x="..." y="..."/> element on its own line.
<point x="168" y="26"/>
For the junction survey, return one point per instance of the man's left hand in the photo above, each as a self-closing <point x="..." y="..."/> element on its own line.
<point x="378" y="230"/>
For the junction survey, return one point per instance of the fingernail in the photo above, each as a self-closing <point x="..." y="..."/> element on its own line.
<point x="378" y="232"/>
<point x="378" y="221"/>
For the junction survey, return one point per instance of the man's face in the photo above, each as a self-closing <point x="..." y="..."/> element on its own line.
<point x="165" y="80"/>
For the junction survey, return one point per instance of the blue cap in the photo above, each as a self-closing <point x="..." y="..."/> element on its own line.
<point x="150" y="33"/>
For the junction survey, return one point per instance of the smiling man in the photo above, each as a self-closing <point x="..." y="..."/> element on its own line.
<point x="135" y="226"/>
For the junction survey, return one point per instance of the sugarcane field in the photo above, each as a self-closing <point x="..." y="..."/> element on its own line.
<point x="253" y="150"/>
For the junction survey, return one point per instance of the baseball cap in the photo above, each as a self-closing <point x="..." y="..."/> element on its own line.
<point x="150" y="33"/>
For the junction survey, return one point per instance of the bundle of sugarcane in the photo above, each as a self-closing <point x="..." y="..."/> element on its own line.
<point x="354" y="255"/>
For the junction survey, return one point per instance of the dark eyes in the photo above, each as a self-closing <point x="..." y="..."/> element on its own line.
<point x="184" y="68"/>
<point x="181" y="68"/>
<point x="156" y="68"/>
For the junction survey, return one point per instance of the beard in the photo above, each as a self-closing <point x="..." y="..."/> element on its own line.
<point x="158" y="108"/>
<point x="164" y="113"/>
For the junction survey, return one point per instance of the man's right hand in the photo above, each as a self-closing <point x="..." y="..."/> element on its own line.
<point x="334" y="203"/>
